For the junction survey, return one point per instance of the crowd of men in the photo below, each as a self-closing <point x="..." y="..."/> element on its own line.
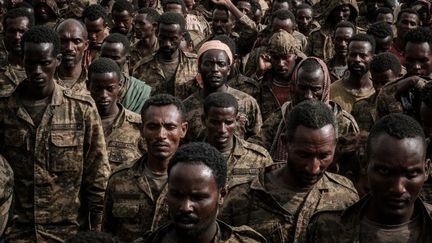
<point x="160" y="121"/>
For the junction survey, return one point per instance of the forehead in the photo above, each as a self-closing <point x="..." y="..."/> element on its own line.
<point x="112" y="47"/>
<point x="243" y="4"/>
<point x="167" y="112"/>
<point x="386" y="75"/>
<point x="123" y="13"/>
<point x="169" y="28"/>
<point x="315" y="77"/>
<point x="344" y="31"/>
<point x="221" y="111"/>
<point x="409" y="16"/>
<point x="304" y="136"/>
<point x="94" y="23"/>
<point x="423" y="48"/>
<point x="191" y="177"/>
<point x="104" y="79"/>
<point x="71" y="28"/>
<point x="361" y="46"/>
<point x="220" y="14"/>
<point x="277" y="21"/>
<point x="304" y="11"/>
<point x="17" y="21"/>
<point x="36" y="50"/>
<point x="214" y="54"/>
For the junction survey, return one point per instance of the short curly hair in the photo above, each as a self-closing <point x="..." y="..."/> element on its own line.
<point x="41" y="34"/>
<point x="178" y="2"/>
<point x="386" y="61"/>
<point x="312" y="114"/>
<point x="283" y="14"/>
<point x="396" y="125"/>
<point x="202" y="153"/>
<point x="345" y="24"/>
<point x="103" y="65"/>
<point x="418" y="36"/>
<point x="380" y="30"/>
<point x="17" y="13"/>
<point x="94" y="12"/>
<point x="164" y="100"/>
<point x="365" y="38"/>
<point x="123" y="5"/>
<point x="152" y="15"/>
<point x="118" y="38"/>
<point x="220" y="100"/>
<point x="173" y="18"/>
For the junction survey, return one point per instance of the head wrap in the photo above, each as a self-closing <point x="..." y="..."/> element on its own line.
<point x="284" y="43"/>
<point x="327" y="81"/>
<point x="216" y="45"/>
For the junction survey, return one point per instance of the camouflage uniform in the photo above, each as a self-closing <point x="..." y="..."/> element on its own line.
<point x="245" y="161"/>
<point x="249" y="115"/>
<point x="136" y="54"/>
<point x="320" y="41"/>
<point x="225" y="234"/>
<point x="131" y="208"/>
<point x="78" y="87"/>
<point x="73" y="9"/>
<point x="343" y="226"/>
<point x="151" y="72"/>
<point x="6" y="193"/>
<point x="245" y="84"/>
<point x="274" y="127"/>
<point x="52" y="4"/>
<point x="61" y="167"/>
<point x="124" y="141"/>
<point x="388" y="103"/>
<point x="364" y="111"/>
<point x="198" y="27"/>
<point x="252" y="204"/>
<point x="3" y="52"/>
<point x="10" y="77"/>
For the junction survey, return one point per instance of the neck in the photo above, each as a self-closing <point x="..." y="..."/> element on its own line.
<point x="114" y="112"/>
<point x="15" y="60"/>
<point x="227" y="147"/>
<point x="359" y="82"/>
<point x="31" y="93"/>
<point x="399" y="43"/>
<point x="206" y="236"/>
<point x="157" y="165"/>
<point x="285" y="177"/>
<point x="170" y="58"/>
<point x="70" y="72"/>
<point x="340" y="60"/>
<point x="148" y="42"/>
<point x="375" y="214"/>
<point x="207" y="90"/>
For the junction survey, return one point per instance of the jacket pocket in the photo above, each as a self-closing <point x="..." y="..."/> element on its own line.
<point x="66" y="151"/>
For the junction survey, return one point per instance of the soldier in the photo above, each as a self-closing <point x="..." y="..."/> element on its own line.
<point x="145" y="26"/>
<point x="244" y="159"/>
<point x="196" y="189"/>
<point x="392" y="211"/>
<point x="56" y="141"/>
<point x="402" y="95"/>
<point x="407" y="20"/>
<point x="46" y="12"/>
<point x="122" y="14"/>
<point x="279" y="202"/>
<point x="121" y="126"/>
<point x="134" y="92"/>
<point x="215" y="60"/>
<point x="74" y="42"/>
<point x="357" y="85"/>
<point x="170" y="70"/>
<point x="387" y="15"/>
<point x="341" y="38"/>
<point x="311" y="81"/>
<point x="305" y="19"/>
<point x="15" y="22"/>
<point x="6" y="194"/>
<point x="383" y="34"/>
<point x="384" y="68"/>
<point x="96" y="21"/>
<point x="135" y="196"/>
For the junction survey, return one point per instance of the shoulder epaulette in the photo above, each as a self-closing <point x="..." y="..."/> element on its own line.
<point x="132" y="117"/>
<point x="84" y="98"/>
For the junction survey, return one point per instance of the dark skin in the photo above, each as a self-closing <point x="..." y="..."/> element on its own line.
<point x="426" y="119"/>
<point x="222" y="22"/>
<point x="162" y="128"/>
<point x="405" y="23"/>
<point x="116" y="52"/>
<point x="283" y="24"/>
<point x="74" y="43"/>
<point x="96" y="32"/>
<point x="383" y="44"/>
<point x="13" y="31"/>
<point x="341" y="13"/>
<point x="379" y="79"/>
<point x="214" y="68"/>
<point x="304" y="19"/>
<point x="311" y="152"/>
<point x="418" y="59"/>
<point x="309" y="85"/>
<point x="193" y="200"/>
<point x="220" y="123"/>
<point x="169" y="38"/>
<point x="397" y="170"/>
<point x="104" y="89"/>
<point x="341" y="39"/>
<point x="283" y="66"/>
<point x="122" y="22"/>
<point x="389" y="18"/>
<point x="145" y="31"/>
<point x="359" y="58"/>
<point x="40" y="63"/>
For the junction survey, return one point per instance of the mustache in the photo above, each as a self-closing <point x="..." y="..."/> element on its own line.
<point x="158" y="143"/>
<point x="186" y="218"/>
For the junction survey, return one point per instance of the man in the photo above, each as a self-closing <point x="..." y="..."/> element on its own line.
<point x="311" y="81"/>
<point x="135" y="196"/>
<point x="46" y="12"/>
<point x="382" y="32"/>
<point x="276" y="84"/>
<point x="215" y="60"/>
<point x="385" y="14"/>
<point x="196" y="190"/>
<point x="402" y="96"/>
<point x="285" y="20"/>
<point x="279" y="202"/>
<point x="244" y="159"/>
<point x="134" y="92"/>
<point x="121" y="126"/>
<point x="96" y="21"/>
<point x="122" y="14"/>
<point x="341" y="38"/>
<point x="384" y="68"/>
<point x="320" y="41"/>
<point x="145" y="26"/>
<point x="305" y="19"/>
<point x="15" y="23"/>
<point x="407" y="20"/>
<point x="56" y="141"/>
<point x="74" y="42"/>
<point x="357" y="85"/>
<point x="170" y="70"/>
<point x="392" y="211"/>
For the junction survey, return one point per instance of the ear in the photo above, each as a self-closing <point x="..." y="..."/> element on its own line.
<point x="184" y="128"/>
<point x="427" y="168"/>
<point x="59" y="59"/>
<point x="86" y="44"/>
<point x="222" y="194"/>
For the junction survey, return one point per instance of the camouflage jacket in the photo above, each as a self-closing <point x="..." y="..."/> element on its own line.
<point x="248" y="124"/>
<point x="274" y="127"/>
<point x="364" y="111"/>
<point x="225" y="234"/>
<point x="387" y="102"/>
<point x="343" y="226"/>
<point x="347" y="97"/>
<point x="3" y="52"/>
<point x="73" y="9"/>
<point x="131" y="209"/>
<point x="124" y="141"/>
<point x="198" y="27"/>
<point x="253" y="205"/>
<point x="10" y="77"/>
<point x="61" y="167"/>
<point x="136" y="54"/>
<point x="245" y="161"/>
<point x="151" y="72"/>
<point x="79" y="87"/>
<point x="245" y="84"/>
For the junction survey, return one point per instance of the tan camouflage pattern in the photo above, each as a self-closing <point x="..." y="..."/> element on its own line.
<point x="124" y="141"/>
<point x="61" y="167"/>
<point x="79" y="87"/>
<point x="365" y="113"/>
<point x="267" y="100"/>
<point x="131" y="209"/>
<point x="6" y="192"/>
<point x="245" y="84"/>
<point x="151" y="72"/>
<point x="253" y="205"/>
<point x="249" y="116"/>
<point x="136" y="54"/>
<point x="10" y="77"/>
<point x="73" y="9"/>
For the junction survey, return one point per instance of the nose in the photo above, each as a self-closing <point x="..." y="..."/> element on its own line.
<point x="416" y="66"/>
<point x="186" y="206"/>
<point x="398" y="186"/>
<point x="313" y="168"/>
<point x="68" y="46"/>
<point x="162" y="134"/>
<point x="222" y="129"/>
<point x="309" y="95"/>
